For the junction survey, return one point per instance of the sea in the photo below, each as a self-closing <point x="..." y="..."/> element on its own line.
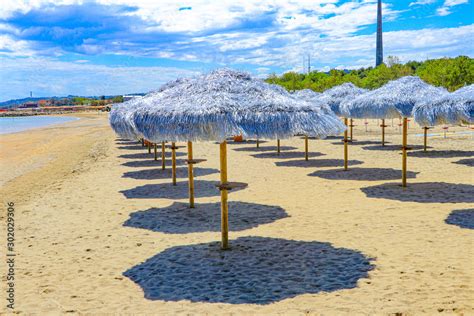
<point x="18" y="124"/>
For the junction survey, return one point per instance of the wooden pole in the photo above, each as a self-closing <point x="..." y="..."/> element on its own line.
<point x="149" y="147"/>
<point x="425" y="138"/>
<point x="278" y="146"/>
<point x="352" y="125"/>
<point x="156" y="152"/>
<point x="346" y="154"/>
<point x="306" y="145"/>
<point x="190" y="175"/>
<point x="143" y="142"/>
<point x="163" y="159"/>
<point x="258" y="143"/>
<point x="173" y="162"/>
<point x="383" y="132"/>
<point x="224" y="206"/>
<point x="404" y="153"/>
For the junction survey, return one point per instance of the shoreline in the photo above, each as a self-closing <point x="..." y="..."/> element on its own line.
<point x="73" y="118"/>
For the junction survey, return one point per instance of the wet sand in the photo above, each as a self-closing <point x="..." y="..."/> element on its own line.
<point x="100" y="229"/>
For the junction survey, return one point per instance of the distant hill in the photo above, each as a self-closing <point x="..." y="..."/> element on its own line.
<point x="14" y="103"/>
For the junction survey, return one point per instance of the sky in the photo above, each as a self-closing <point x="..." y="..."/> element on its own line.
<point x="105" y="47"/>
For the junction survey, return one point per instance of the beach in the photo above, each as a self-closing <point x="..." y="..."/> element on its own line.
<point x="99" y="229"/>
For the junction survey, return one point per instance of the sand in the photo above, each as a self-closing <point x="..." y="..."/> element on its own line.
<point x="101" y="230"/>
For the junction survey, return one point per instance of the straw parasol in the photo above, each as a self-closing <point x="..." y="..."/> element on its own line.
<point x="335" y="97"/>
<point x="340" y="93"/>
<point x="277" y="114"/>
<point x="393" y="100"/>
<point x="317" y="100"/>
<point x="446" y="108"/>
<point x="223" y="103"/>
<point x="120" y="119"/>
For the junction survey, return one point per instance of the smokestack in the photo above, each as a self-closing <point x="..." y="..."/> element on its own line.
<point x="379" y="52"/>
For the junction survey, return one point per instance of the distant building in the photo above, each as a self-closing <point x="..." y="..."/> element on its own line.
<point x="46" y="102"/>
<point x="29" y="105"/>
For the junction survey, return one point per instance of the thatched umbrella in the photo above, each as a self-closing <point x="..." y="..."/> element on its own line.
<point x="446" y="108"/>
<point x="223" y="103"/>
<point x="336" y="96"/>
<point x="120" y="119"/>
<point x="198" y="109"/>
<point x="393" y="100"/>
<point x="316" y="99"/>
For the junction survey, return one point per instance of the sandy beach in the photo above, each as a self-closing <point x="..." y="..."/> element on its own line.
<point x="100" y="229"/>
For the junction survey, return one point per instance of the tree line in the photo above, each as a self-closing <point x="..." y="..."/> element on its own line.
<point x="451" y="73"/>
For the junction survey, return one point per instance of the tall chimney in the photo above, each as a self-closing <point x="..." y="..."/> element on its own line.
<point x="379" y="53"/>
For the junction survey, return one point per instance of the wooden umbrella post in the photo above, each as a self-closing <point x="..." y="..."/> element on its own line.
<point x="383" y="131"/>
<point x="278" y="146"/>
<point x="306" y="145"/>
<point x="404" y="152"/>
<point x="258" y="143"/>
<point x="351" y="126"/>
<point x="425" y="138"/>
<point x="156" y="152"/>
<point x="163" y="158"/>
<point x="224" y="206"/>
<point x="346" y="154"/>
<point x="173" y="162"/>
<point x="143" y="142"/>
<point x="190" y="175"/>
<point x="149" y="147"/>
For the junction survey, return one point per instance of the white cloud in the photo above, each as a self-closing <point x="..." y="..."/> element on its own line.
<point x="360" y="50"/>
<point x="47" y="77"/>
<point x="13" y="47"/>
<point x="445" y="9"/>
<point x="205" y="15"/>
<point x="422" y="2"/>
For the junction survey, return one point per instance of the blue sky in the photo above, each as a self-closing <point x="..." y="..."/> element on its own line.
<point x="80" y="47"/>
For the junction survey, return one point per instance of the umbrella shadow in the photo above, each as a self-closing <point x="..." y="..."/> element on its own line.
<point x="286" y="155"/>
<point x="133" y="147"/>
<point x="202" y="188"/>
<point x="155" y="174"/>
<point x="362" y="174"/>
<point x="257" y="270"/>
<point x="333" y="137"/>
<point x="180" y="219"/>
<point x="316" y="163"/>
<point x="362" y="143"/>
<point x="461" y="218"/>
<point x="264" y="148"/>
<point x="150" y="156"/>
<point x="151" y="163"/>
<point x="425" y="192"/>
<point x="467" y="162"/>
<point x="441" y="154"/>
<point x="392" y="147"/>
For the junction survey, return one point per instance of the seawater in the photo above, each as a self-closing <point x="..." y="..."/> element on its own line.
<point x="23" y="123"/>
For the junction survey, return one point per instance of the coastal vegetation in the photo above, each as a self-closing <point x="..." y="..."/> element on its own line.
<point x="451" y="73"/>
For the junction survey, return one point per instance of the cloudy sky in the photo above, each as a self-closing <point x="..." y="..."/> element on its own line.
<point x="80" y="47"/>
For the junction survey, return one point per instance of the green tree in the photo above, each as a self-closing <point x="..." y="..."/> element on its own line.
<point x="117" y="99"/>
<point x="451" y="73"/>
